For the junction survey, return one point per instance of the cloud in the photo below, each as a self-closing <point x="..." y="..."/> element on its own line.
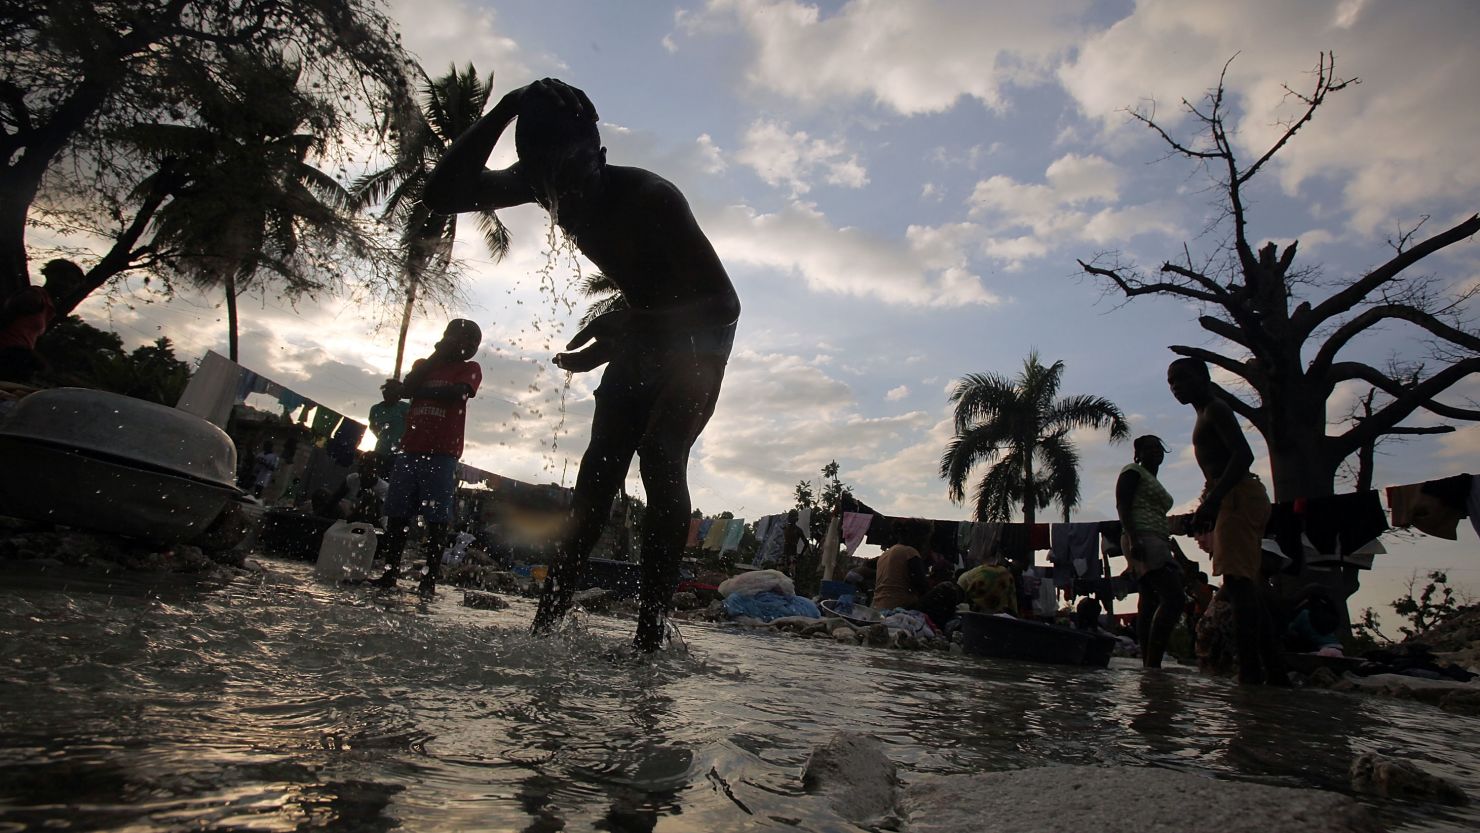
<point x="443" y="32"/>
<point x="779" y="420"/>
<point x="783" y="158"/>
<point x="712" y="160"/>
<point x="913" y="57"/>
<point x="1415" y="64"/>
<point x="1075" y="202"/>
<point x="896" y="394"/>
<point x="929" y="269"/>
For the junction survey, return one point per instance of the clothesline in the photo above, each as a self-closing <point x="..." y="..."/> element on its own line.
<point x="1337" y="529"/>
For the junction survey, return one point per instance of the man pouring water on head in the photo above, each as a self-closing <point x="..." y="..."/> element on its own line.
<point x="665" y="353"/>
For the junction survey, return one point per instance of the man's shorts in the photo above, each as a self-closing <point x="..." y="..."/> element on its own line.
<point x="674" y="384"/>
<point x="422" y="484"/>
<point x="1238" y="534"/>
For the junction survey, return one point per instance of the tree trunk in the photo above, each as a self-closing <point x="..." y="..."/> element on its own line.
<point x="405" y="325"/>
<point x="231" y="346"/>
<point x="1030" y="509"/>
<point x="15" y="275"/>
<point x="1299" y="457"/>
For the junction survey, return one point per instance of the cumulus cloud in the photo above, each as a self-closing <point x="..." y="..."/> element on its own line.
<point x="711" y="159"/>
<point x="929" y="268"/>
<point x="792" y="159"/>
<point x="1397" y="144"/>
<point x="912" y="56"/>
<point x="896" y="394"/>
<point x="440" y="32"/>
<point x="1077" y="201"/>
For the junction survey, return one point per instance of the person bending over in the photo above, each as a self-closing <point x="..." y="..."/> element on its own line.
<point x="665" y="353"/>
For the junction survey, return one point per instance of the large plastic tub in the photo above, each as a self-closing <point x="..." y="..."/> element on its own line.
<point x="1004" y="637"/>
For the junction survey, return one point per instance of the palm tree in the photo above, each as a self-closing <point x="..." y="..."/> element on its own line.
<point x="450" y="105"/>
<point x="243" y="199"/>
<point x="1022" y="428"/>
<point x="605" y="295"/>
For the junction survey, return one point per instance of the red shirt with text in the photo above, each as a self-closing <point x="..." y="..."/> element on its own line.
<point x="435" y="426"/>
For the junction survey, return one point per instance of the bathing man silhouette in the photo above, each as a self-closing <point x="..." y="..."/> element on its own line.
<point x="665" y="353"/>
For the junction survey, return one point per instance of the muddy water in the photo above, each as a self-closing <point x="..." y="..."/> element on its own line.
<point x="277" y="703"/>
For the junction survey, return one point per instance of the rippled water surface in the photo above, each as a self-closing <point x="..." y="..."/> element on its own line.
<point x="279" y="703"/>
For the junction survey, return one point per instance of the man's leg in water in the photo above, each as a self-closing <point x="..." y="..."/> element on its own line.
<point x="401" y="502"/>
<point x="1243" y="595"/>
<point x="614" y="433"/>
<point x="678" y="417"/>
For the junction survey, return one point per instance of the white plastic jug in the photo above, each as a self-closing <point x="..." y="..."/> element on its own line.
<point x="347" y="552"/>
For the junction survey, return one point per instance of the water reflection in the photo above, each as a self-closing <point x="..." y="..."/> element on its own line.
<point x="286" y="705"/>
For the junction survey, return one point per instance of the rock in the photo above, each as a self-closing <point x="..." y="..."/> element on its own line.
<point x="1391" y="778"/>
<point x="1461" y="702"/>
<point x="876" y="636"/>
<point x="846" y="635"/>
<point x="904" y="639"/>
<point x="686" y="601"/>
<point x="793" y="623"/>
<point x="1322" y="678"/>
<point x="483" y="601"/>
<point x="858" y="779"/>
<point x="595" y="600"/>
<point x="184" y="558"/>
<point x="835" y="624"/>
<point x="1074" y="799"/>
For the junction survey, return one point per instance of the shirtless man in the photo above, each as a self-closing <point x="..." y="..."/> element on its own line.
<point x="665" y="353"/>
<point x="1235" y="507"/>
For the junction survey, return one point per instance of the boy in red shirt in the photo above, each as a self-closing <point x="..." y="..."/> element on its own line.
<point x="26" y="315"/>
<point x="425" y="473"/>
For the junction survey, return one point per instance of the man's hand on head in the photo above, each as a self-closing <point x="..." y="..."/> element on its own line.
<point x="568" y="97"/>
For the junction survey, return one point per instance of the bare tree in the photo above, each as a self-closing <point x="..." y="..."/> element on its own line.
<point x="1247" y="297"/>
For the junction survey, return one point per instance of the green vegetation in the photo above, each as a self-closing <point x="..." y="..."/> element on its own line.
<point x="1021" y="428"/>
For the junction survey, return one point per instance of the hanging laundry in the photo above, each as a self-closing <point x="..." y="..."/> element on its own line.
<point x="733" y="535"/>
<point x="1038" y="537"/>
<point x="211" y="390"/>
<point x="693" y="540"/>
<point x="804" y="521"/>
<point x="855" y="527"/>
<point x="943" y="539"/>
<point x="704" y="526"/>
<point x="984" y="535"/>
<point x="763" y="526"/>
<point x="774" y="543"/>
<point x="830" y="545"/>
<point x="291" y="401"/>
<point x="881" y="532"/>
<point x="1075" y="549"/>
<point x="1013" y="543"/>
<point x="1473" y="504"/>
<point x="1434" y="507"/>
<point x="714" y="536"/>
<point x="325" y="420"/>
<point x="1286" y="527"/>
<point x="1341" y="524"/>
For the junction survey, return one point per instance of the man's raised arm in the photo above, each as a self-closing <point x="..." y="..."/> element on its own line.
<point x="460" y="182"/>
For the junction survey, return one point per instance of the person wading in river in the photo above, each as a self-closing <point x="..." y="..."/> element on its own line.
<point x="665" y="353"/>
<point x="1142" y="504"/>
<point x="1235" y="507"/>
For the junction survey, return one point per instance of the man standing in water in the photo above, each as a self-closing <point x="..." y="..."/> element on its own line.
<point x="1235" y="507"/>
<point x="665" y="353"/>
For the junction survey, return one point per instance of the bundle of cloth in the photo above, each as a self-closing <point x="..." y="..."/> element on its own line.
<point x="764" y="595"/>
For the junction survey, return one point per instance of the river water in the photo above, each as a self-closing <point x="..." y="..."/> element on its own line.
<point x="279" y="703"/>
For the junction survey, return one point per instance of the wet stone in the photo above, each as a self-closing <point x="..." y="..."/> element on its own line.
<point x="483" y="601"/>
<point x="857" y="778"/>
<point x="1392" y="778"/>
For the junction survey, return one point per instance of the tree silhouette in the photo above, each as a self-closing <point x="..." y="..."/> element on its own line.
<point x="449" y="105"/>
<point x="1287" y="348"/>
<point x="1021" y="427"/>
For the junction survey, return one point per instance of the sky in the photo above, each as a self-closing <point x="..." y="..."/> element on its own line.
<point x="899" y="190"/>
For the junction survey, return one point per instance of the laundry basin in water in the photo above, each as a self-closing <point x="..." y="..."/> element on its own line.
<point x="113" y="463"/>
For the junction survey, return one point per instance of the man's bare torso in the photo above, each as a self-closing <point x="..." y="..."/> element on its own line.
<point x="1212" y="453"/>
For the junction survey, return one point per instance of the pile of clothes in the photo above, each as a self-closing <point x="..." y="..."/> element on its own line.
<point x="765" y="595"/>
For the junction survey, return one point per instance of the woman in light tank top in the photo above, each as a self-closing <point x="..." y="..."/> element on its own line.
<point x="1142" y="503"/>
